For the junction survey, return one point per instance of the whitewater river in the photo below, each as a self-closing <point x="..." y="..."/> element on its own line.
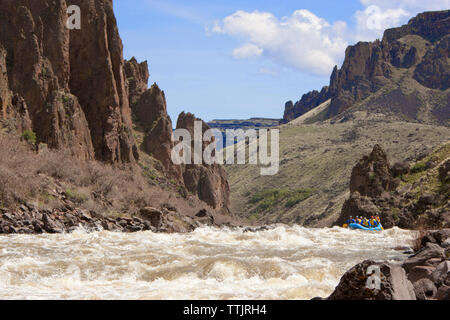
<point x="281" y="263"/>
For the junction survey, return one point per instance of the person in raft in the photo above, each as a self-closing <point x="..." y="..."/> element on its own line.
<point x="373" y="222"/>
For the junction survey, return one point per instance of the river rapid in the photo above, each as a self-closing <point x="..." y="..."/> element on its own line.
<point x="280" y="263"/>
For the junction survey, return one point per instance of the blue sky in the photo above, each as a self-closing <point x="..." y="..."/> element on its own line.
<point x="246" y="58"/>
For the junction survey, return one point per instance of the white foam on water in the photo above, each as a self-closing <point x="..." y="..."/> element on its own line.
<point x="209" y="263"/>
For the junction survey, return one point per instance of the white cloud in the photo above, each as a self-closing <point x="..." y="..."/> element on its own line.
<point x="302" y="40"/>
<point x="308" y="43"/>
<point x="247" y="51"/>
<point x="380" y="15"/>
<point x="414" y="6"/>
<point x="372" y="22"/>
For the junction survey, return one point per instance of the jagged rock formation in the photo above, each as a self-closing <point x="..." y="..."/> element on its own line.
<point x="69" y="83"/>
<point x="406" y="63"/>
<point x="149" y="108"/>
<point x="371" y="177"/>
<point x="308" y="102"/>
<point x="72" y="89"/>
<point x="394" y="285"/>
<point x="434" y="71"/>
<point x="408" y="196"/>
<point x="151" y="112"/>
<point x="137" y="78"/>
<point x="208" y="182"/>
<point x="428" y="25"/>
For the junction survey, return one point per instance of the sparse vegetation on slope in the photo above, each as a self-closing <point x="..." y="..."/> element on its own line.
<point x="26" y="176"/>
<point x="320" y="156"/>
<point x="271" y="198"/>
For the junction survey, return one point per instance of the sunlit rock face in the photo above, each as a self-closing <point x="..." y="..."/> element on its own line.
<point x="72" y="82"/>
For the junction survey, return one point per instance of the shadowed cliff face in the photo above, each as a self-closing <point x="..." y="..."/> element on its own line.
<point x="149" y="107"/>
<point x="209" y="182"/>
<point x="408" y="61"/>
<point x="308" y="102"/>
<point x="70" y="83"/>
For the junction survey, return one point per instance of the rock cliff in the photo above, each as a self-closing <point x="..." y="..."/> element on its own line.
<point x="71" y="89"/>
<point x="308" y="102"/>
<point x="70" y="84"/>
<point x="413" y="196"/>
<point x="208" y="182"/>
<point x="396" y="75"/>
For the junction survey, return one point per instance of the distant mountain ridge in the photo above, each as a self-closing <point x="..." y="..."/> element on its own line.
<point x="243" y="124"/>
<point x="233" y="124"/>
<point x="406" y="74"/>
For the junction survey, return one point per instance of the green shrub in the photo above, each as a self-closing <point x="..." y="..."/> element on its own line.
<point x="29" y="136"/>
<point x="253" y="217"/>
<point x="395" y="212"/>
<point x="270" y="198"/>
<point x="299" y="196"/>
<point x="419" y="167"/>
<point x="66" y="98"/>
<point x="149" y="173"/>
<point x="268" y="194"/>
<point x="75" y="196"/>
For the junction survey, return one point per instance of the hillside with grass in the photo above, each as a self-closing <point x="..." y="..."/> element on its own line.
<point x="393" y="92"/>
<point x="316" y="161"/>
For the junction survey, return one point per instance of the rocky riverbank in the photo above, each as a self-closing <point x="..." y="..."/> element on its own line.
<point x="28" y="219"/>
<point x="425" y="275"/>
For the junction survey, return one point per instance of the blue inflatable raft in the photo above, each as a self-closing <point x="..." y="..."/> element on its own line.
<point x="361" y="227"/>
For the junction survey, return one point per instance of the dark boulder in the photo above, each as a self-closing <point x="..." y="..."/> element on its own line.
<point x="400" y="168"/>
<point x="204" y="217"/>
<point x="51" y="225"/>
<point x="443" y="293"/>
<point x="441" y="276"/>
<point x="430" y="251"/>
<point x="420" y="272"/>
<point x="427" y="200"/>
<point x="424" y="289"/>
<point x="444" y="171"/>
<point x="152" y="215"/>
<point x="393" y="284"/>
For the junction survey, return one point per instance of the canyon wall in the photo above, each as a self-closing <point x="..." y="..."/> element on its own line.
<point x="74" y="90"/>
<point x="411" y="63"/>
<point x="69" y="85"/>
